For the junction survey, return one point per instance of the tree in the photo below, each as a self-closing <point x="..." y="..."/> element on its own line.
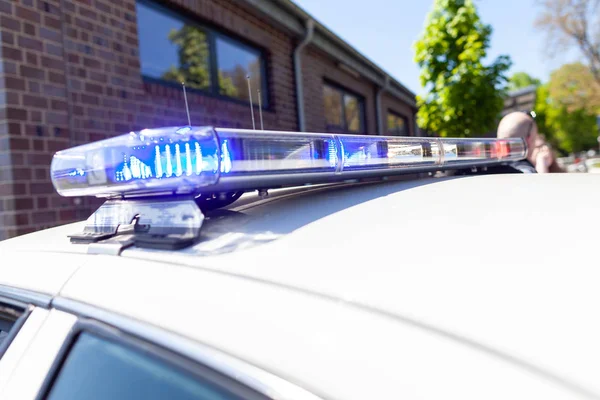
<point x="573" y="86"/>
<point x="193" y="54"/>
<point x="520" y="80"/>
<point x="573" y="22"/>
<point x="194" y="67"/>
<point x="575" y="130"/>
<point x="234" y="82"/>
<point x="464" y="96"/>
<point x="546" y="115"/>
<point x="564" y="117"/>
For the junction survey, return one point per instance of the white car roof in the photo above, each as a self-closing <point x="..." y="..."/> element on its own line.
<point x="422" y="288"/>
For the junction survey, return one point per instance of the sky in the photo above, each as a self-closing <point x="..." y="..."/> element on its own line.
<point x="385" y="30"/>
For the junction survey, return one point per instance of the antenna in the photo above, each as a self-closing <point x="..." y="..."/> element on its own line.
<point x="187" y="109"/>
<point x="262" y="128"/>
<point x="251" y="107"/>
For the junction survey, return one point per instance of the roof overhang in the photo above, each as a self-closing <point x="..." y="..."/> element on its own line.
<point x="291" y="18"/>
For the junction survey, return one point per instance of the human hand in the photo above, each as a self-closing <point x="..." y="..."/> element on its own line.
<point x="543" y="159"/>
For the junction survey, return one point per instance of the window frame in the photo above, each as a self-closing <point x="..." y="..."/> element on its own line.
<point x="397" y="115"/>
<point x="19" y="322"/>
<point x="23" y="299"/>
<point x="212" y="32"/>
<point x="136" y="343"/>
<point x="362" y="103"/>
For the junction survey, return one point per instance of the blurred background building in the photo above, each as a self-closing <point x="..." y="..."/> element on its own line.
<point x="520" y="100"/>
<point x="73" y="72"/>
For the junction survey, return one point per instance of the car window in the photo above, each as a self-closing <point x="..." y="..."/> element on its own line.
<point x="97" y="368"/>
<point x="11" y="319"/>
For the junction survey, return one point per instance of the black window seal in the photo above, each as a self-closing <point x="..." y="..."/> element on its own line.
<point x="12" y="334"/>
<point x="212" y="31"/>
<point x="362" y="104"/>
<point x="112" y="334"/>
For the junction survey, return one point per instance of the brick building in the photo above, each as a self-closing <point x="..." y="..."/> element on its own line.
<point x="520" y="100"/>
<point x="75" y="71"/>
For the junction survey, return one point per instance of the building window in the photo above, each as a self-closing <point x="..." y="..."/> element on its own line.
<point x="396" y="125"/>
<point x="344" y="111"/>
<point x="174" y="49"/>
<point x="234" y="64"/>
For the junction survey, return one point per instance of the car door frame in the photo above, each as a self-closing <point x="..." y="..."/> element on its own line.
<point x="26" y="328"/>
<point x="64" y="319"/>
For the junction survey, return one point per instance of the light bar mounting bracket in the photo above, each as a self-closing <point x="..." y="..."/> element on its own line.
<point x="158" y="223"/>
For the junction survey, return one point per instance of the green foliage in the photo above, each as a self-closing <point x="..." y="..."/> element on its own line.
<point x="194" y="56"/>
<point x="194" y="65"/>
<point x="543" y="107"/>
<point x="574" y="87"/>
<point x="520" y="80"/>
<point x="575" y="130"/>
<point x="464" y="98"/>
<point x="226" y="85"/>
<point x="568" y="130"/>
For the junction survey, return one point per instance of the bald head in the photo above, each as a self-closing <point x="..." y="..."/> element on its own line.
<point x="517" y="125"/>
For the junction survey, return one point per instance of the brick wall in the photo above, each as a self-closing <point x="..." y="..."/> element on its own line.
<point x="318" y="68"/>
<point x="70" y="74"/>
<point x="35" y="122"/>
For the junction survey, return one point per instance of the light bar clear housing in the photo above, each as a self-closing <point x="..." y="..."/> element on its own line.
<point x="164" y="159"/>
<point x="203" y="159"/>
<point x="257" y="152"/>
<point x="375" y="153"/>
<point x="460" y="152"/>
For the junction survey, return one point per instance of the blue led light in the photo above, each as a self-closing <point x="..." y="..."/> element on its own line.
<point x="169" y="163"/>
<point x="163" y="158"/>
<point x="332" y="155"/>
<point x="76" y="172"/>
<point x="199" y="161"/>
<point x="158" y="162"/>
<point x="179" y="169"/>
<point x="188" y="160"/>
<point x="225" y="158"/>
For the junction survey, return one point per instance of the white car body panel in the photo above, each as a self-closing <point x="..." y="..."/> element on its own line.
<point x="459" y="287"/>
<point x="27" y="378"/>
<point x="328" y="347"/>
<point x="39" y="271"/>
<point x="504" y="292"/>
<point x="11" y="358"/>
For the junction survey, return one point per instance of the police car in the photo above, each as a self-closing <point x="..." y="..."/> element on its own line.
<point x="233" y="264"/>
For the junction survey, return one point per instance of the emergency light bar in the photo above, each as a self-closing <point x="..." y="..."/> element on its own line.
<point x="192" y="160"/>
